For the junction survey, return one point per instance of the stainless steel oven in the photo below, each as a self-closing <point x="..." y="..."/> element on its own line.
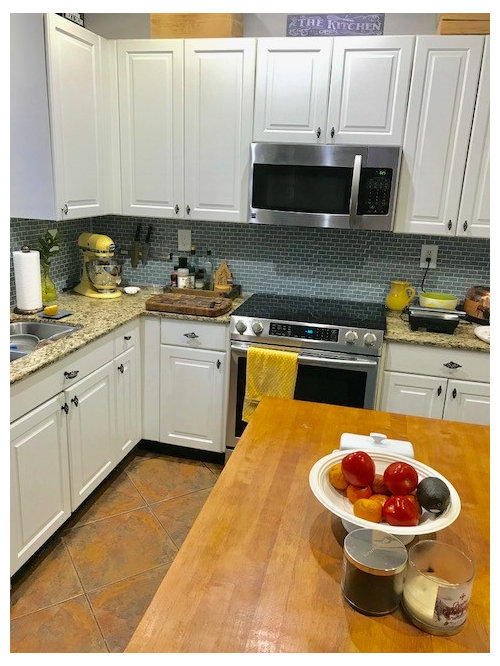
<point x="338" y="345"/>
<point x="345" y="187"/>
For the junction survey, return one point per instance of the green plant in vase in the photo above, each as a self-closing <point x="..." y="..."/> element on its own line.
<point x="48" y="246"/>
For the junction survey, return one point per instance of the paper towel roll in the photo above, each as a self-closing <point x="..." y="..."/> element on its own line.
<point x="28" y="280"/>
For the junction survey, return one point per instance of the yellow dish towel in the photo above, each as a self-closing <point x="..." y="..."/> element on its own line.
<point x="269" y="372"/>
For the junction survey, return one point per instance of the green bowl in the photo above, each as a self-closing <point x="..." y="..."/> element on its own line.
<point x="434" y="299"/>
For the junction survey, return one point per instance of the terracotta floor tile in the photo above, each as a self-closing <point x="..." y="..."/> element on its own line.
<point x="215" y="468"/>
<point x="115" y="495"/>
<point x="166" y="477"/>
<point x="114" y="548"/>
<point x="67" y="627"/>
<point x="50" y="580"/>
<point x="178" y="515"/>
<point x="119" y="607"/>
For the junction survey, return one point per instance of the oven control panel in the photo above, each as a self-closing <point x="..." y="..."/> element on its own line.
<point x="304" y="332"/>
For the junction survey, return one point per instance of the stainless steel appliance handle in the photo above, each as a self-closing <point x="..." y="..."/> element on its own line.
<point x="306" y="359"/>
<point x="356" y="176"/>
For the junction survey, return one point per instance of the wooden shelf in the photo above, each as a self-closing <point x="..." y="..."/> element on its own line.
<point x="187" y="26"/>
<point x="464" y="24"/>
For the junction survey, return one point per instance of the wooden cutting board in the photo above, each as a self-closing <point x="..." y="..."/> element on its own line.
<point x="189" y="304"/>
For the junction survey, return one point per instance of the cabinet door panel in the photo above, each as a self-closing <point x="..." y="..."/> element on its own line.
<point x="440" y="110"/>
<point x="40" y="493"/>
<point x="375" y="69"/>
<point x="191" y="397"/>
<point x="474" y="215"/>
<point x="77" y="119"/>
<point x="291" y="89"/>
<point x="128" y="401"/>
<point x="219" y="81"/>
<point x="468" y="402"/>
<point x="150" y="74"/>
<point x="91" y="430"/>
<point x="416" y="395"/>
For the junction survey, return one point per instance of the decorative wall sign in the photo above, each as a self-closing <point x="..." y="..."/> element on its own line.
<point x="317" y="25"/>
<point x="76" y="18"/>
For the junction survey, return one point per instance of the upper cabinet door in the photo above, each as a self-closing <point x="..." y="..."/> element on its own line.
<point x="150" y="81"/>
<point x="474" y="214"/>
<point x="291" y="89"/>
<point x="369" y="90"/>
<point x="77" y="114"/>
<point x="219" y="84"/>
<point x="440" y="110"/>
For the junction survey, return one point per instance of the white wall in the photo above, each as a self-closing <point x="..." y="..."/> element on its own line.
<point x="136" y="26"/>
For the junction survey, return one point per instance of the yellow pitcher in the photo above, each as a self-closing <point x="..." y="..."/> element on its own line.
<point x="400" y="295"/>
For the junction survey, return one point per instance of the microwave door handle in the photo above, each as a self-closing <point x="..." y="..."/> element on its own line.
<point x="353" y="204"/>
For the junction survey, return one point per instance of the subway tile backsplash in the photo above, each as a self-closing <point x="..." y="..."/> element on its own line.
<point x="326" y="263"/>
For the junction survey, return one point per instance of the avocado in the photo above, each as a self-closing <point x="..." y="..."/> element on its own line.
<point x="433" y="494"/>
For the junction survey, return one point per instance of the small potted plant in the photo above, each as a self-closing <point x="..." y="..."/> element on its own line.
<point x="48" y="246"/>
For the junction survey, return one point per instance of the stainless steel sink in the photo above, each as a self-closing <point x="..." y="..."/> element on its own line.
<point x="42" y="330"/>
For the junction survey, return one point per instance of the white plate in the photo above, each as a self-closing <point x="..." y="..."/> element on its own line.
<point x="337" y="502"/>
<point x="483" y="333"/>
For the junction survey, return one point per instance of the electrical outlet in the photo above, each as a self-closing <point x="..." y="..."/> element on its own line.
<point x="429" y="251"/>
<point x="184" y="240"/>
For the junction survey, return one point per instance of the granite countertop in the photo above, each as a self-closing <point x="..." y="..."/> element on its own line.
<point x="398" y="330"/>
<point x="97" y="317"/>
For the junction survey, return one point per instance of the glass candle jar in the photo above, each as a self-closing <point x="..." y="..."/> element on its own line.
<point x="372" y="571"/>
<point x="438" y="587"/>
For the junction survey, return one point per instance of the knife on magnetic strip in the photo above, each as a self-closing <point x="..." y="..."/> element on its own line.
<point x="145" y="247"/>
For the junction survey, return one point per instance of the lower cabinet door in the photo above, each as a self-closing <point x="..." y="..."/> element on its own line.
<point x="128" y="402"/>
<point x="192" y="397"/>
<point x="468" y="402"/>
<point x="40" y="491"/>
<point x="416" y="395"/>
<point x="91" y="431"/>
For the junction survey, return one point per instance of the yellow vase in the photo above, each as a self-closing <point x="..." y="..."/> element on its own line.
<point x="400" y="295"/>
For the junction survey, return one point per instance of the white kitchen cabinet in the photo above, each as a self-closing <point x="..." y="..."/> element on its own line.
<point x="436" y="382"/>
<point x="192" y="397"/>
<point x="39" y="481"/>
<point x="358" y="95"/>
<point x="128" y="401"/>
<point x="80" y="150"/>
<point x="92" y="435"/>
<point x="291" y="89"/>
<point x="151" y="108"/>
<point x="474" y="213"/>
<point x="438" y="126"/>
<point x="218" y="112"/>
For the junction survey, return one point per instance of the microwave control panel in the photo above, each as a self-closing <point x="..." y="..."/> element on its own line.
<point x="304" y="332"/>
<point x="374" y="191"/>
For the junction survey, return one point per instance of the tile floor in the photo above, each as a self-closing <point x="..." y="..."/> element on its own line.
<point x="91" y="583"/>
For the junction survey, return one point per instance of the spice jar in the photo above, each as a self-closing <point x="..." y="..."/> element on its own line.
<point x="183" y="281"/>
<point x="372" y="571"/>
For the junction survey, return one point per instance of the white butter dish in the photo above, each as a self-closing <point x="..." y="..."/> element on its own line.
<point x="375" y="441"/>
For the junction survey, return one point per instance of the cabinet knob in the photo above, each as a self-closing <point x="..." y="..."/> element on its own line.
<point x="176" y="209"/>
<point x="439" y="391"/>
<point x="71" y="374"/>
<point x="127" y="337"/>
<point x="454" y="393"/>
<point x="465" y="225"/>
<point x="318" y="132"/>
<point x="65" y="209"/>
<point x="120" y="368"/>
<point x="75" y="401"/>
<point x="188" y="209"/>
<point x="218" y="364"/>
<point x="65" y="408"/>
<point x="450" y="224"/>
<point x="332" y="132"/>
<point x="191" y="335"/>
<point x="452" y="365"/>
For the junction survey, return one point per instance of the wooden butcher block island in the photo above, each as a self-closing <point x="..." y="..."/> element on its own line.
<point x="260" y="570"/>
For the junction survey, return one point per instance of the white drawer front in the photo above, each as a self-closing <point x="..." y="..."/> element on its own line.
<point x="126" y="337"/>
<point x="194" y="334"/>
<point x="439" y="362"/>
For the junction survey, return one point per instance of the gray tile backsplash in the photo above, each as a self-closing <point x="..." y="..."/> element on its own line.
<point x="290" y="260"/>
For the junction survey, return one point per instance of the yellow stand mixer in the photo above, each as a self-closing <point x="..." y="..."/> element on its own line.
<point x="100" y="275"/>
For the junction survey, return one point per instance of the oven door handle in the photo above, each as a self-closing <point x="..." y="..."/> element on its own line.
<point x="353" y="204"/>
<point x="322" y="360"/>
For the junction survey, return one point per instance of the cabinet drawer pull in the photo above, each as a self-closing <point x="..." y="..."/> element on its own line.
<point x="120" y="368"/>
<point x="318" y="132"/>
<point x="191" y="335"/>
<point x="465" y="225"/>
<point x="65" y="408"/>
<point x="176" y="209"/>
<point x="75" y="401"/>
<point x="332" y="132"/>
<point x="439" y="391"/>
<point x="450" y="225"/>
<point x="218" y="364"/>
<point x="454" y="393"/>
<point x="71" y="374"/>
<point x="65" y="209"/>
<point x="127" y="337"/>
<point x="452" y="365"/>
<point x="188" y="210"/>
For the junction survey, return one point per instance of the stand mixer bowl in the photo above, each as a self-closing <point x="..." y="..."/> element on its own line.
<point x="105" y="275"/>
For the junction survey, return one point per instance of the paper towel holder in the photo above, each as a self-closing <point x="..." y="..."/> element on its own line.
<point x="25" y="248"/>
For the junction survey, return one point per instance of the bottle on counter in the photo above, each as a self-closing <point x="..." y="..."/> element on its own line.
<point x="173" y="276"/>
<point x="208" y="269"/>
<point x="193" y="267"/>
<point x="199" y="279"/>
<point x="183" y="281"/>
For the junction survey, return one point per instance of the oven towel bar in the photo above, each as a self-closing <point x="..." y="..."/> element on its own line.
<point x="270" y="372"/>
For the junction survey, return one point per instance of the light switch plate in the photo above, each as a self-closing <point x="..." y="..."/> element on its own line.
<point x="184" y="240"/>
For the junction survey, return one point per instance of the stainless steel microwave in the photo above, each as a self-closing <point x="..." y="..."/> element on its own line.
<point x="343" y="187"/>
